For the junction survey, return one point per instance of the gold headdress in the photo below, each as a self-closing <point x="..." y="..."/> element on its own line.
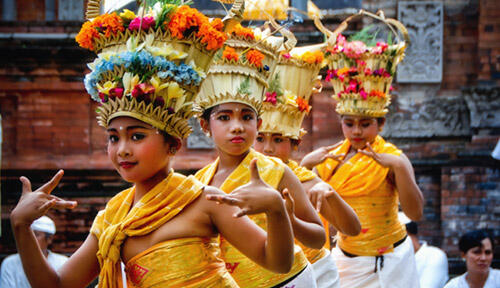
<point x="362" y="75"/>
<point x="290" y="88"/>
<point x="150" y="63"/>
<point x="241" y="69"/>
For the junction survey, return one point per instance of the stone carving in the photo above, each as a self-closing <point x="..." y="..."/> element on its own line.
<point x="424" y="61"/>
<point x="198" y="139"/>
<point x="484" y="106"/>
<point x="436" y="117"/>
<point x="70" y="10"/>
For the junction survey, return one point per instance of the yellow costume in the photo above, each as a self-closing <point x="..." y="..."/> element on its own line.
<point x="362" y="183"/>
<point x="150" y="268"/>
<point x="244" y="271"/>
<point x="305" y="175"/>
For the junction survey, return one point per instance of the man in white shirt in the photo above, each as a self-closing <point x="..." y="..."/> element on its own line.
<point x="432" y="263"/>
<point x="12" y="273"/>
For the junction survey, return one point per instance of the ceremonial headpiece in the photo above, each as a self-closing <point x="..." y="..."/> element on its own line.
<point x="150" y="63"/>
<point x="287" y="99"/>
<point x="241" y="69"/>
<point x="361" y="73"/>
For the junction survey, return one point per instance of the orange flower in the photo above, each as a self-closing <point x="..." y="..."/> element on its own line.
<point x="185" y="18"/>
<point x="303" y="105"/>
<point x="376" y="93"/>
<point x="230" y="54"/>
<point x="211" y="36"/>
<point x="86" y="36"/>
<point x="315" y="57"/>
<point x="243" y="32"/>
<point x="217" y="24"/>
<point x="108" y="24"/>
<point x="255" y="58"/>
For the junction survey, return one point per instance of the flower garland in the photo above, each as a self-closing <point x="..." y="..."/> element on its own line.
<point x="315" y="57"/>
<point x="181" y="22"/>
<point x="230" y="54"/>
<point x="255" y="58"/>
<point x="244" y="32"/>
<point x="140" y="63"/>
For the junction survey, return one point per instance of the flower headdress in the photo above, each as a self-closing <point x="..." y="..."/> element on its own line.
<point x="361" y="74"/>
<point x="241" y="69"/>
<point x="150" y="63"/>
<point x="287" y="99"/>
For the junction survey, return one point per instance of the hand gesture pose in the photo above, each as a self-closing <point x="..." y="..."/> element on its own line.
<point x="254" y="197"/>
<point x="386" y="160"/>
<point x="319" y="155"/>
<point x="34" y="204"/>
<point x="318" y="193"/>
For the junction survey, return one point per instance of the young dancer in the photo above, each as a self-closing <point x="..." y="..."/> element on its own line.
<point x="231" y="98"/>
<point x="284" y="108"/>
<point x="163" y="228"/>
<point x="370" y="174"/>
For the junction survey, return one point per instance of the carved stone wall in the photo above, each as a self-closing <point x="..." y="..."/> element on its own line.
<point x="484" y="106"/>
<point x="423" y="62"/>
<point x="198" y="139"/>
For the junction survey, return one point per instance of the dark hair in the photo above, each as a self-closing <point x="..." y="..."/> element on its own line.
<point x="412" y="228"/>
<point x="380" y="120"/>
<point x="473" y="239"/>
<point x="171" y="140"/>
<point x="206" y="114"/>
<point x="294" y="142"/>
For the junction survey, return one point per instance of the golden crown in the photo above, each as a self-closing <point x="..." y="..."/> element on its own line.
<point x="151" y="63"/>
<point x="361" y="73"/>
<point x="287" y="99"/>
<point x="241" y="69"/>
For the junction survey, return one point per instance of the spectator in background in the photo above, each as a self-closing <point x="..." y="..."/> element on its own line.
<point x="12" y="272"/>
<point x="476" y="248"/>
<point x="432" y="263"/>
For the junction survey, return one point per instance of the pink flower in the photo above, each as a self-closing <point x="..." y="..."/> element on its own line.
<point x="271" y="97"/>
<point x="363" y="93"/>
<point x="147" y="22"/>
<point x="329" y="75"/>
<point x="143" y="91"/>
<point x="354" y="49"/>
<point x="116" y="92"/>
<point x="104" y="97"/>
<point x="340" y="40"/>
<point x="368" y="71"/>
<point x="380" y="48"/>
<point x="353" y="86"/>
<point x="286" y="55"/>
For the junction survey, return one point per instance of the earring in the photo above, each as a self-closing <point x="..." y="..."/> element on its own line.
<point x="173" y="150"/>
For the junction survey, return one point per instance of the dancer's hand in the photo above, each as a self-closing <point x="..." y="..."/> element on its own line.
<point x="34" y="204"/>
<point x="289" y="203"/>
<point x="254" y="197"/>
<point x="318" y="194"/>
<point x="386" y="160"/>
<point x="319" y="155"/>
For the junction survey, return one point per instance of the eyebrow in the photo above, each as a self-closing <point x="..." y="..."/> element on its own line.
<point x="129" y="128"/>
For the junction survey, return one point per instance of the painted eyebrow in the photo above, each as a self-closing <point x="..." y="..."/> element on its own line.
<point x="129" y="128"/>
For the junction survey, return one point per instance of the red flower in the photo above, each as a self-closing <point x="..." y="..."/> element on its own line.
<point x="116" y="92"/>
<point x="144" y="90"/>
<point x="147" y="22"/>
<point x="271" y="97"/>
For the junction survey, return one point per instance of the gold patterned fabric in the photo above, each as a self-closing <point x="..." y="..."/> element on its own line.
<point x="120" y="220"/>
<point x="245" y="271"/>
<point x="187" y="262"/>
<point x="363" y="184"/>
<point x="305" y="175"/>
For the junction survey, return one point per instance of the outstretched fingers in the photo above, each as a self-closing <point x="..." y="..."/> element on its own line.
<point x="225" y="199"/>
<point x="49" y="186"/>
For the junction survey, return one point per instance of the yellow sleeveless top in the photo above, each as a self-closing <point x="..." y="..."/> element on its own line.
<point x="363" y="184"/>
<point x="119" y="220"/>
<point x="312" y="255"/>
<point x="188" y="262"/>
<point x="246" y="272"/>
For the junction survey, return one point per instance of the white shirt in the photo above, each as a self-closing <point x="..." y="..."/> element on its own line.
<point x="432" y="266"/>
<point x="12" y="272"/>
<point x="493" y="280"/>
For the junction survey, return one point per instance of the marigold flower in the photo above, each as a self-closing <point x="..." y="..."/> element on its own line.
<point x="230" y="54"/>
<point x="315" y="57"/>
<point x="87" y="35"/>
<point x="244" y="32"/>
<point x="255" y="58"/>
<point x="378" y="94"/>
<point x="211" y="36"/>
<point x="185" y="18"/>
<point x="303" y="105"/>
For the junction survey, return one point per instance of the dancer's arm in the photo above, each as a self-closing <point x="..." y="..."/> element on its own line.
<point x="319" y="155"/>
<point x="274" y="250"/>
<point x="332" y="207"/>
<point x="307" y="226"/>
<point x="31" y="206"/>
<point x="410" y="196"/>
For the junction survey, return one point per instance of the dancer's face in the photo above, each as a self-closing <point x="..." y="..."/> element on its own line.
<point x="478" y="259"/>
<point x="138" y="151"/>
<point x="274" y="145"/>
<point x="233" y="127"/>
<point x="360" y="130"/>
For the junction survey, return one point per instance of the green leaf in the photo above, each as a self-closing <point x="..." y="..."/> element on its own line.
<point x="245" y="87"/>
<point x="275" y="85"/>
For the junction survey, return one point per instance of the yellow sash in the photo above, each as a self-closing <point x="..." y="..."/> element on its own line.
<point x="119" y="221"/>
<point x="305" y="175"/>
<point x="244" y="271"/>
<point x="362" y="183"/>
